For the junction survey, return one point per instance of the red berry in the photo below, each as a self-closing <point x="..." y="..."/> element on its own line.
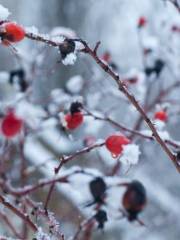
<point x="106" y="57"/>
<point x="142" y="22"/>
<point x="12" y="32"/>
<point x="74" y="120"/>
<point x="11" y="125"/>
<point x="161" y="115"/>
<point x="175" y="28"/>
<point x="115" y="144"/>
<point x="130" y="81"/>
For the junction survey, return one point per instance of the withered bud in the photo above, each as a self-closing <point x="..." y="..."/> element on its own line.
<point x="75" y="107"/>
<point x="67" y="47"/>
<point x="98" y="188"/>
<point x="101" y="218"/>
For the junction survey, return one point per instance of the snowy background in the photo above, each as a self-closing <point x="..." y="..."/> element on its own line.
<point x="114" y="23"/>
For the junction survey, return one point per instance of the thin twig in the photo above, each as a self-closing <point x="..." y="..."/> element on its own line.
<point x="20" y="214"/>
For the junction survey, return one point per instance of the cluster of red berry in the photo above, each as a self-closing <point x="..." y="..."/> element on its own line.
<point x="113" y="143"/>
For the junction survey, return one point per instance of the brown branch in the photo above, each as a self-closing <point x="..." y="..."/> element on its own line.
<point x="133" y="101"/>
<point x="42" y="39"/>
<point x="78" y="153"/>
<point x="63" y="161"/>
<point x="129" y="130"/>
<point x="121" y="87"/>
<point x="175" y="3"/>
<point x="10" y="225"/>
<point x="17" y="212"/>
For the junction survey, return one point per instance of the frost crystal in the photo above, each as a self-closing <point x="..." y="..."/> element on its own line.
<point x="40" y="235"/>
<point x="4" y="13"/>
<point x="63" y="31"/>
<point x="130" y="154"/>
<point x="53" y="222"/>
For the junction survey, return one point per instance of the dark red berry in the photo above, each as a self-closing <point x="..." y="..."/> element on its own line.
<point x="98" y="188"/>
<point x="134" y="199"/>
<point x="142" y="22"/>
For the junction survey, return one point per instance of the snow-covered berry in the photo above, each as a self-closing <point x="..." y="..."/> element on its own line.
<point x="115" y="144"/>
<point x="161" y="115"/>
<point x="73" y="121"/>
<point x="11" y="32"/>
<point x="67" y="47"/>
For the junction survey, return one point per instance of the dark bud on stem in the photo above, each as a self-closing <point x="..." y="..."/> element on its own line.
<point x="20" y="74"/>
<point x="134" y="199"/>
<point x="101" y="218"/>
<point x="98" y="189"/>
<point x="67" y="47"/>
<point x="159" y="65"/>
<point x="75" y="107"/>
<point x="178" y="156"/>
<point x="113" y="66"/>
<point x="157" y="68"/>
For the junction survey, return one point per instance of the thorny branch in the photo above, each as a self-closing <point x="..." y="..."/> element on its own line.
<point x="19" y="213"/>
<point x="122" y="87"/>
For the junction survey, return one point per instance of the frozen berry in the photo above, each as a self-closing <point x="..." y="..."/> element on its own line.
<point x="142" y="22"/>
<point x="12" y="32"/>
<point x="134" y="199"/>
<point x="115" y="144"/>
<point x="161" y="115"/>
<point x="11" y="125"/>
<point x="101" y="218"/>
<point x="98" y="188"/>
<point x="73" y="121"/>
<point x="67" y="47"/>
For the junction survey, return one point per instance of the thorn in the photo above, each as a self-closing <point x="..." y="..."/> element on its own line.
<point x="96" y="47"/>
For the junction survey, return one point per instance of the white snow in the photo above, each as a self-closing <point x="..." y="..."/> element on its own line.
<point x="4" y="13"/>
<point x="70" y="59"/>
<point x="32" y="29"/>
<point x="75" y="84"/>
<point x="40" y="235"/>
<point x="130" y="154"/>
<point x="63" y="31"/>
